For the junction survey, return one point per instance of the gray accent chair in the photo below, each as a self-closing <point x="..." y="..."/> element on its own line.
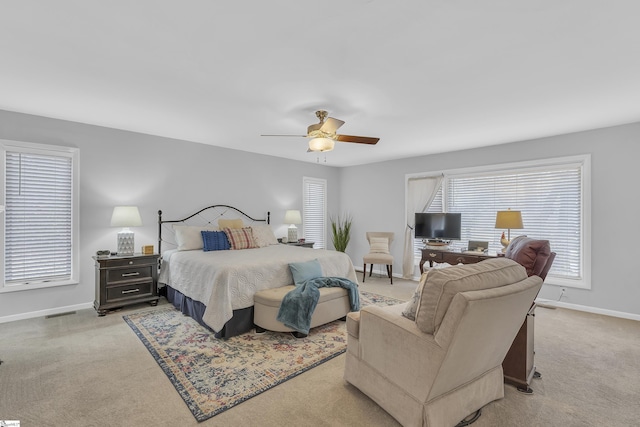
<point x="446" y="364"/>
<point x="379" y="252"/>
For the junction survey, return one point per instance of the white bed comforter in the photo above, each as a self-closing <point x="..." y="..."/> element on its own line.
<point x="227" y="280"/>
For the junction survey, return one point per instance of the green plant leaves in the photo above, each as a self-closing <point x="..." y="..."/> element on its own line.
<point x="341" y="231"/>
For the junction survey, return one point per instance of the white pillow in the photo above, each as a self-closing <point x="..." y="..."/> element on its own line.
<point x="412" y="305"/>
<point x="379" y="245"/>
<point x="263" y="235"/>
<point x="188" y="237"/>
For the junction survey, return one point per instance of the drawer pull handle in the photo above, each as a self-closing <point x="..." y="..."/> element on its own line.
<point x="432" y="255"/>
<point x="131" y="291"/>
<point x="137" y="273"/>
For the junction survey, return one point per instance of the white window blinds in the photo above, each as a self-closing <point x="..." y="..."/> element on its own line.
<point x="552" y="201"/>
<point x="314" y="211"/>
<point x="38" y="217"/>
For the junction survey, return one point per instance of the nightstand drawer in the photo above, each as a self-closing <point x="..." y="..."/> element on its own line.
<point x="131" y="261"/>
<point x="115" y="293"/>
<point x="115" y="275"/>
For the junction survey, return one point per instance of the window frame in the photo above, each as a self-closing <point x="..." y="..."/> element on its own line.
<point x="305" y="198"/>
<point x="45" y="150"/>
<point x="581" y="161"/>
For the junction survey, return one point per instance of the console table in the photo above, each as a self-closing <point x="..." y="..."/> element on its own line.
<point x="452" y="257"/>
<point x="518" y="365"/>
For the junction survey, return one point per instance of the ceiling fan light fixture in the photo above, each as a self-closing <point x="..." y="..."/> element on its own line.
<point x="321" y="144"/>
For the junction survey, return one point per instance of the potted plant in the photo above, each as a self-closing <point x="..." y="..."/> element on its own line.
<point x="341" y="231"/>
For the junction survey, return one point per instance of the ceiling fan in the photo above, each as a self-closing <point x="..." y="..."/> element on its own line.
<point x="323" y="135"/>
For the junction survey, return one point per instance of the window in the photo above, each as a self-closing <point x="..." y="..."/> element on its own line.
<point x="553" y="196"/>
<point x="40" y="221"/>
<point x="314" y="213"/>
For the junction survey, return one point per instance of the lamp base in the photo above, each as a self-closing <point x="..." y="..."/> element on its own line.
<point x="292" y="235"/>
<point x="505" y="243"/>
<point x="125" y="243"/>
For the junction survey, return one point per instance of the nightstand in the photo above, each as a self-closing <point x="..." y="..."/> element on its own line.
<point x="303" y="244"/>
<point x="125" y="279"/>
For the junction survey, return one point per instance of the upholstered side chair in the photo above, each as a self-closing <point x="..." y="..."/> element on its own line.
<point x="379" y="253"/>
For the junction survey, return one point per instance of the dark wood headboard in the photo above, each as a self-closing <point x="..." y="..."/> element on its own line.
<point x="204" y="217"/>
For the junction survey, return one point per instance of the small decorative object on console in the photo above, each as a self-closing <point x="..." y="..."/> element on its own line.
<point x="147" y="249"/>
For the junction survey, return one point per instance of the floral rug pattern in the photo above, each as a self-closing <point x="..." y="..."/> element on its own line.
<point x="212" y="375"/>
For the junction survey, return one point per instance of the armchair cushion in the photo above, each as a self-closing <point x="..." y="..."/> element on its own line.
<point x="442" y="285"/>
<point x="530" y="253"/>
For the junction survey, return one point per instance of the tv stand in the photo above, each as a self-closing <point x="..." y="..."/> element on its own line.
<point x="431" y="255"/>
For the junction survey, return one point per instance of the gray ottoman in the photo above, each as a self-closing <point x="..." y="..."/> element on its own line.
<point x="332" y="305"/>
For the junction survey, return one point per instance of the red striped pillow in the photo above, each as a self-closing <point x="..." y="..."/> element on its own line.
<point x="240" y="238"/>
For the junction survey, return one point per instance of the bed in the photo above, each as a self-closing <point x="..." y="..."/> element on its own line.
<point x="216" y="287"/>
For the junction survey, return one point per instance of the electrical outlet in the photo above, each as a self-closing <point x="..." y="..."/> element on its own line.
<point x="562" y="293"/>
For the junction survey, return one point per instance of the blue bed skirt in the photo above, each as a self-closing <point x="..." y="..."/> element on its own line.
<point x="241" y="322"/>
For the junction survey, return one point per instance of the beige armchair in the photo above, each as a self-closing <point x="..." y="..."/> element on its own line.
<point x="446" y="364"/>
<point x="379" y="252"/>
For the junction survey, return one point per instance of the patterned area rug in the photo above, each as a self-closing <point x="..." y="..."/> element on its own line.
<point x="212" y="375"/>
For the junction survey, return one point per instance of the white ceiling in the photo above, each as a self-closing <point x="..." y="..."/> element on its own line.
<point x="425" y="76"/>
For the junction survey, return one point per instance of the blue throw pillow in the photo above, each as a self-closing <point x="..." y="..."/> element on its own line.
<point x="215" y="241"/>
<point x="303" y="271"/>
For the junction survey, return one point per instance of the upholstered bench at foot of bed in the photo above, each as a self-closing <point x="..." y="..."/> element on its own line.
<point x="332" y="305"/>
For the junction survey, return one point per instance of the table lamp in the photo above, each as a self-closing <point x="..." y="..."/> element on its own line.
<point x="508" y="219"/>
<point x="125" y="216"/>
<point x="292" y="217"/>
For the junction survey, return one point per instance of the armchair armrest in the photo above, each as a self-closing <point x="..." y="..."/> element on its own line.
<point x="395" y="347"/>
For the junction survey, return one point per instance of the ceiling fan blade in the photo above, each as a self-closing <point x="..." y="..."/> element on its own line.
<point x="297" y="136"/>
<point x="331" y="125"/>
<point x="357" y="139"/>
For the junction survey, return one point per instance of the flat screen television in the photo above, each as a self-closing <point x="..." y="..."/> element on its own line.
<point x="438" y="227"/>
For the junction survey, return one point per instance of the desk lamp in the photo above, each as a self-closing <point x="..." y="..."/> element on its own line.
<point x="125" y="216"/>
<point x="292" y="217"/>
<point x="508" y="219"/>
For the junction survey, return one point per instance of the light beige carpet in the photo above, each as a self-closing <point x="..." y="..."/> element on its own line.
<point x="84" y="370"/>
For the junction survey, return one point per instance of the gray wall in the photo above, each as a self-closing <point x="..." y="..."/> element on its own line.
<point x="615" y="205"/>
<point x="122" y="168"/>
<point x="118" y="167"/>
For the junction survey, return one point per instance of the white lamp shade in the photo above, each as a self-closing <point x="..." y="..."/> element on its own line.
<point x="126" y="216"/>
<point x="321" y="144"/>
<point x="292" y="217"/>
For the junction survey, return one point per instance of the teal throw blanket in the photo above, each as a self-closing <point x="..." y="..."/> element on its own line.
<point x="299" y="304"/>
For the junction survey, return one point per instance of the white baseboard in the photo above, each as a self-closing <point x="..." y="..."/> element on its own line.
<point x="48" y="312"/>
<point x="595" y="310"/>
<point x="383" y="273"/>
